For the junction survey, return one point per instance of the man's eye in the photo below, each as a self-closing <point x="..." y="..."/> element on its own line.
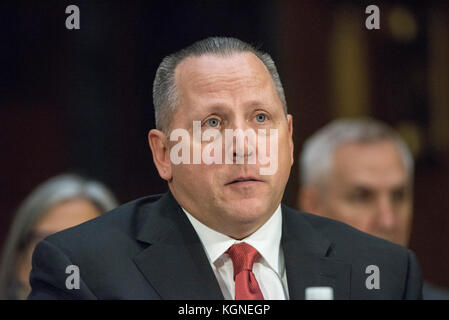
<point x="360" y="196"/>
<point x="213" y="122"/>
<point x="398" y="195"/>
<point x="261" y="117"/>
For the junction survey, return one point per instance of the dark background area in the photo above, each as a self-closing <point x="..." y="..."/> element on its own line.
<point x="80" y="100"/>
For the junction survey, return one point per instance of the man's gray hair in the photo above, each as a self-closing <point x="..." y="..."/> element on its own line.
<point x="318" y="151"/>
<point x="165" y="98"/>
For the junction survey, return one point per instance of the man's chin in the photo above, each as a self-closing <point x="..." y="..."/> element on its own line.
<point x="248" y="211"/>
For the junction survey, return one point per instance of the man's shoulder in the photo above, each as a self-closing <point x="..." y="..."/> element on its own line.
<point x="103" y="250"/>
<point x="333" y="243"/>
<point x="347" y="240"/>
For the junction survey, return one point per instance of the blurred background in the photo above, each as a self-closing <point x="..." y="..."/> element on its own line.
<point x="80" y="100"/>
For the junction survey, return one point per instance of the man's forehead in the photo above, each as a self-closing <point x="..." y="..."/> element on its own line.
<point x="209" y="65"/>
<point x="377" y="153"/>
<point x="369" y="163"/>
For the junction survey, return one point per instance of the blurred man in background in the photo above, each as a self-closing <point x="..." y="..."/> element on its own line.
<point x="361" y="173"/>
<point x="59" y="203"/>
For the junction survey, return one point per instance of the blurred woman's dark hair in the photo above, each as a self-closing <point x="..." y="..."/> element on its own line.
<point x="48" y="194"/>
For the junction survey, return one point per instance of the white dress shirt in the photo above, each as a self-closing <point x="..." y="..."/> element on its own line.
<point x="269" y="268"/>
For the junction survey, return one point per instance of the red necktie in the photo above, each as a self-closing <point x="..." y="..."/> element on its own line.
<point x="243" y="256"/>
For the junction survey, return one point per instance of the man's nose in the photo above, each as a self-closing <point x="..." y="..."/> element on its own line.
<point x="244" y="140"/>
<point x="386" y="218"/>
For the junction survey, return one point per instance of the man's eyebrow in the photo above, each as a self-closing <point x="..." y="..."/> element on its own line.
<point x="367" y="188"/>
<point x="216" y="107"/>
<point x="257" y="104"/>
<point x="358" y="186"/>
<point x="400" y="187"/>
<point x="220" y="108"/>
<point x="251" y="103"/>
<point x="208" y="109"/>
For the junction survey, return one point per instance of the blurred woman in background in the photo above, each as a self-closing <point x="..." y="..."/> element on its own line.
<point x="57" y="204"/>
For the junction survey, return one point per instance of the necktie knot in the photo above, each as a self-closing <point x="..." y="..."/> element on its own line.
<point x="243" y="256"/>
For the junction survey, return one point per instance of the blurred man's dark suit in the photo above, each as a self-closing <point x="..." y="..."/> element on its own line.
<point x="147" y="249"/>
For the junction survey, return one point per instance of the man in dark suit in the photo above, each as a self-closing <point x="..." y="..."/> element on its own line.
<point x="221" y="231"/>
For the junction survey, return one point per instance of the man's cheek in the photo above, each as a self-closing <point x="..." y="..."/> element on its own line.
<point x="184" y="173"/>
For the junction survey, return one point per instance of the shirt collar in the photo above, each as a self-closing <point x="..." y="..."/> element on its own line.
<point x="266" y="239"/>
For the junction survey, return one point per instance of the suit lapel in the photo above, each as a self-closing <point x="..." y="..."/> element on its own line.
<point x="307" y="258"/>
<point x="176" y="266"/>
<point x="175" y="262"/>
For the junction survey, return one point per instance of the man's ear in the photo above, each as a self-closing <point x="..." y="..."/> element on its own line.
<point x="161" y="153"/>
<point x="290" y="136"/>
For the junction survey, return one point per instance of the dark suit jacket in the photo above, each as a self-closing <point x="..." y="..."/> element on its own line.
<point x="147" y="249"/>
